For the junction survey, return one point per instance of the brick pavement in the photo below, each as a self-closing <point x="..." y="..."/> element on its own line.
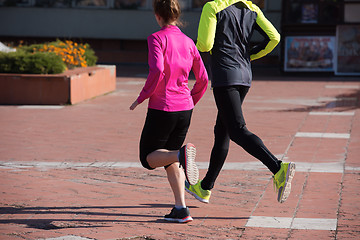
<point x="71" y="172"/>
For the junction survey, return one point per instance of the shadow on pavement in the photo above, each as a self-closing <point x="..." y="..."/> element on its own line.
<point x="71" y="222"/>
<point x="344" y="102"/>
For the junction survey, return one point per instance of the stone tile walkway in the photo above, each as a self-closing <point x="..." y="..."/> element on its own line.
<point x="72" y="172"/>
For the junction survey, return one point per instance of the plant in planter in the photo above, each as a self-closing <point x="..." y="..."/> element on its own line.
<point x="48" y="58"/>
<point x="38" y="76"/>
<point x="35" y="63"/>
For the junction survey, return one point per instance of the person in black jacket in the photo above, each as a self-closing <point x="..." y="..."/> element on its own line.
<point x="225" y="30"/>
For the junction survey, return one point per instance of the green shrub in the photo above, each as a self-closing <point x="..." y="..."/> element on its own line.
<point x="31" y="63"/>
<point x="90" y="56"/>
<point x="72" y="53"/>
<point x="47" y="58"/>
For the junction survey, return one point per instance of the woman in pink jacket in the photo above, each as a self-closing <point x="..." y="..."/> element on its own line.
<point x="172" y="55"/>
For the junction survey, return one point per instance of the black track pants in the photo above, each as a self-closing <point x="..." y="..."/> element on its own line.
<point x="230" y="125"/>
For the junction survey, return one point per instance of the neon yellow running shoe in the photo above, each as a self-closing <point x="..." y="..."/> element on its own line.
<point x="282" y="181"/>
<point x="199" y="193"/>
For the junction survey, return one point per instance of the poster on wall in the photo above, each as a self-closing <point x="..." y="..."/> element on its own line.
<point x="348" y="50"/>
<point x="309" y="54"/>
<point x="309" y="13"/>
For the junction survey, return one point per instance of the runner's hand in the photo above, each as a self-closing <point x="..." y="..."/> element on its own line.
<point x="134" y="105"/>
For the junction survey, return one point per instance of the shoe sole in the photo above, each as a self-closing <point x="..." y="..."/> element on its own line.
<point x="196" y="196"/>
<point x="190" y="168"/>
<point x="284" y="193"/>
<point x="178" y="220"/>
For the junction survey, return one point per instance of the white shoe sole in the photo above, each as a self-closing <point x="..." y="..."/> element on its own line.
<point x="283" y="195"/>
<point x="190" y="168"/>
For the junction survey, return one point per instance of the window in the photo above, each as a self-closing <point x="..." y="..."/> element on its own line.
<point x="313" y="11"/>
<point x="351" y="12"/>
<point x="331" y="12"/>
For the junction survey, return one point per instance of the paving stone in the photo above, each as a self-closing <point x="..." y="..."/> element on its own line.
<point x="72" y="172"/>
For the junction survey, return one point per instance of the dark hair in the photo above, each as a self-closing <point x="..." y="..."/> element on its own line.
<point x="169" y="10"/>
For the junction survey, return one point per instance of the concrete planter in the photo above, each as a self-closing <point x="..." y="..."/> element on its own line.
<point x="70" y="87"/>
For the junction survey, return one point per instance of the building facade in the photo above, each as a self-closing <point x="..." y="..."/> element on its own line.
<point x="117" y="29"/>
<point x="321" y="36"/>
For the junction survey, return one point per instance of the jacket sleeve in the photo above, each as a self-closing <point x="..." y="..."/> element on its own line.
<point x="201" y="76"/>
<point x="271" y="36"/>
<point x="156" y="68"/>
<point x="207" y="28"/>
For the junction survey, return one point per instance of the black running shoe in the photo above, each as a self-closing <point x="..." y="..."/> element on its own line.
<point x="187" y="161"/>
<point x="180" y="216"/>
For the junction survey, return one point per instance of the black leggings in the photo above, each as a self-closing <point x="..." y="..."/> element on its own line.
<point x="163" y="130"/>
<point x="230" y="125"/>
